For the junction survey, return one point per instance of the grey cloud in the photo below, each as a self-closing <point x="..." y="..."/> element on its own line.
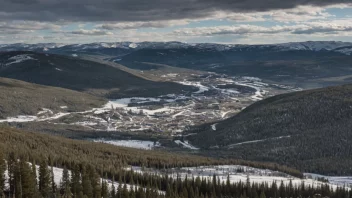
<point x="93" y="32"/>
<point x="25" y="27"/>
<point x="307" y="28"/>
<point x="236" y="30"/>
<point x="324" y="28"/>
<point x="140" y="24"/>
<point x="139" y="10"/>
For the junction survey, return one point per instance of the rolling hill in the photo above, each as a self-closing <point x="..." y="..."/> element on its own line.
<point x="302" y="68"/>
<point x="22" y="98"/>
<point x="310" y="130"/>
<point x="81" y="75"/>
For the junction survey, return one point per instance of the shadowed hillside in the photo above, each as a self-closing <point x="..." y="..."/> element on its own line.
<point x="310" y="130"/>
<point x="80" y="75"/>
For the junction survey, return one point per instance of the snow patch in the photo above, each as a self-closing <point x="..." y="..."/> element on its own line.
<point x="19" y="59"/>
<point x="255" y="141"/>
<point x="201" y="87"/>
<point x="213" y="126"/>
<point x="133" y="45"/>
<point x="139" y="144"/>
<point x="186" y="144"/>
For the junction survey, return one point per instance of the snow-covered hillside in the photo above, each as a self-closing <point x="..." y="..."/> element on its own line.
<point x="336" y="46"/>
<point x="57" y="173"/>
<point x="238" y="173"/>
<point x="316" y="46"/>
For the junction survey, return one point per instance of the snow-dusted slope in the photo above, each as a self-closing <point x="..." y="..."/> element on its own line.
<point x="315" y="45"/>
<point x="57" y="173"/>
<point x="238" y="173"/>
<point x="18" y="59"/>
<point x="337" y="46"/>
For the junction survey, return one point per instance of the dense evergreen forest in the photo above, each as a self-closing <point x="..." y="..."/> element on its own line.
<point x="309" y="130"/>
<point x="90" y="168"/>
<point x="84" y="181"/>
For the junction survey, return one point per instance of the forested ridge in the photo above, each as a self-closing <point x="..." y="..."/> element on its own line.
<point x="85" y="182"/>
<point x="72" y="73"/>
<point x="310" y="130"/>
<point x="34" y="146"/>
<point x="22" y="98"/>
<point x="85" y="163"/>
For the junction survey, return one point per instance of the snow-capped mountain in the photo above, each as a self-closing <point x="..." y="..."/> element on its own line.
<point x="315" y="45"/>
<point x="335" y="46"/>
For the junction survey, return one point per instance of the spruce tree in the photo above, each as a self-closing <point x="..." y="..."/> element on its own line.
<point x="28" y="181"/>
<point x="11" y="166"/>
<point x="65" y="184"/>
<point x="113" y="189"/>
<point x="119" y="190"/>
<point x="52" y="180"/>
<point x="44" y="179"/>
<point x="17" y="180"/>
<point x="87" y="188"/>
<point x="2" y="173"/>
<point x="105" y="190"/>
<point x="95" y="180"/>
<point x="125" y="193"/>
<point x="262" y="194"/>
<point x="76" y="185"/>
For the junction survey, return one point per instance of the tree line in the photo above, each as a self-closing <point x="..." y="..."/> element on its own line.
<point x="26" y="180"/>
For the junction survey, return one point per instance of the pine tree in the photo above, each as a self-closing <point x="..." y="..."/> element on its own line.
<point x="262" y="194"/>
<point x="52" y="180"/>
<point x="95" y="180"/>
<point x="28" y="181"/>
<point x="65" y="184"/>
<point x="44" y="179"/>
<point x="119" y="190"/>
<point x="125" y="193"/>
<point x="11" y="166"/>
<point x="2" y="173"/>
<point x="105" y="190"/>
<point x="34" y="172"/>
<point x="87" y="188"/>
<point x="17" y="180"/>
<point x="76" y="185"/>
<point x="113" y="189"/>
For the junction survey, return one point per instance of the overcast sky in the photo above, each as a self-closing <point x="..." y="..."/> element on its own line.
<point x="193" y="21"/>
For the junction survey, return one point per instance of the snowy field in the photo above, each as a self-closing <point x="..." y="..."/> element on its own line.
<point x="57" y="172"/>
<point x="341" y="181"/>
<point x="237" y="173"/>
<point x="139" y="144"/>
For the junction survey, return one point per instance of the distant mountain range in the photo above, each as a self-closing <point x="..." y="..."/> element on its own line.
<point x="122" y="47"/>
<point x="310" y="64"/>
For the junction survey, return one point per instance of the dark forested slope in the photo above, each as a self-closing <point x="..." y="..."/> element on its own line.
<point x="80" y="75"/>
<point x="62" y="150"/>
<point x="310" y="130"/>
<point x="85" y="164"/>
